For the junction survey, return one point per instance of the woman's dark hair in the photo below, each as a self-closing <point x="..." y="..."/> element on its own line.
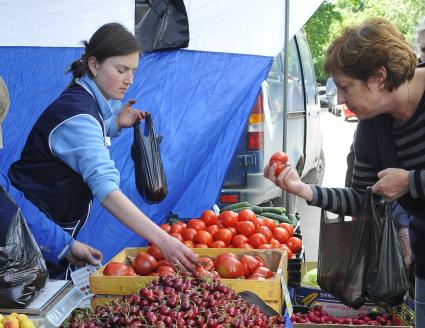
<point x="109" y="40"/>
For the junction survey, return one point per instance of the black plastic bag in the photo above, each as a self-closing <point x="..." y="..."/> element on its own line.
<point x="149" y="171"/>
<point x="386" y="279"/>
<point x="343" y="249"/>
<point x="164" y="26"/>
<point x="22" y="268"/>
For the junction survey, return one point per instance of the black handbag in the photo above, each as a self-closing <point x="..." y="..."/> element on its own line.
<point x="149" y="171"/>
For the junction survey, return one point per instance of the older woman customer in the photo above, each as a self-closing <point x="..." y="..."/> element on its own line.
<point x="376" y="76"/>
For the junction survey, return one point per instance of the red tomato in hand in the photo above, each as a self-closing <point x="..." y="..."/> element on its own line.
<point x="228" y="218"/>
<point x="144" y="264"/>
<point x="209" y="217"/>
<point x="279" y="157"/>
<point x="279" y="168"/>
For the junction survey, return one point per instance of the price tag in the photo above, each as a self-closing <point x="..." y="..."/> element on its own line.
<point x="286" y="296"/>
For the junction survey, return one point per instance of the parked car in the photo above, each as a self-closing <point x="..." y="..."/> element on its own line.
<point x="244" y="180"/>
<point x="322" y="96"/>
<point x="347" y="114"/>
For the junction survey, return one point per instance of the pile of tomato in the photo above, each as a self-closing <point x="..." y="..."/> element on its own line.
<point x="235" y="230"/>
<point x="226" y="265"/>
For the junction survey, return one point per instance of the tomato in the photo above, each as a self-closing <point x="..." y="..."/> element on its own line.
<point x="196" y="224"/>
<point x="250" y="264"/>
<point x="166" y="227"/>
<point x="206" y="263"/>
<point x="155" y="252"/>
<point x="265" y="231"/>
<point x="165" y="271"/>
<point x="163" y="263"/>
<point x="256" y="276"/>
<point x="279" y="168"/>
<point x="203" y="237"/>
<point x="176" y="227"/>
<point x="260" y="260"/>
<point x="189" y="243"/>
<point x="266" y="272"/>
<point x="233" y="231"/>
<point x="177" y="235"/>
<point x="206" y="273"/>
<point x="279" y="156"/>
<point x="144" y="263"/>
<point x="183" y="224"/>
<point x="230" y="267"/>
<point x="287" y="227"/>
<point x="222" y="256"/>
<point x="117" y="269"/>
<point x="239" y="239"/>
<point x="188" y="233"/>
<point x="209" y="217"/>
<point x="224" y="235"/>
<point x="212" y="229"/>
<point x="245" y="245"/>
<point x="246" y="215"/>
<point x="218" y="244"/>
<point x="246" y="228"/>
<point x="265" y="246"/>
<point x="295" y="244"/>
<point x="228" y="218"/>
<point x="257" y="239"/>
<point x="269" y="223"/>
<point x="274" y="243"/>
<point x="200" y="246"/>
<point x="281" y="235"/>
<point x="288" y="251"/>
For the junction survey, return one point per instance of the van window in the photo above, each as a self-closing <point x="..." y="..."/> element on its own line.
<point x="275" y="72"/>
<point x="296" y="96"/>
<point x="308" y="69"/>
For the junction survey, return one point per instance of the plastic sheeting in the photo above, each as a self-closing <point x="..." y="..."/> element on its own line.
<point x="199" y="101"/>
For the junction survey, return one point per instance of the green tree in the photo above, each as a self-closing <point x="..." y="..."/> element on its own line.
<point x="318" y="35"/>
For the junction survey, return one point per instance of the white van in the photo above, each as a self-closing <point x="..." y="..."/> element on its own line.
<point x="263" y="135"/>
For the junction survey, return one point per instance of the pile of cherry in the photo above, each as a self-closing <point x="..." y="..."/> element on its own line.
<point x="319" y="316"/>
<point x="184" y="300"/>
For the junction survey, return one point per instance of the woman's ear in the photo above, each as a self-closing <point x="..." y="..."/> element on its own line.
<point x="92" y="64"/>
<point x="380" y="76"/>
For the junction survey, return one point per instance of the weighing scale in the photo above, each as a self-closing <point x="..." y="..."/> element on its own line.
<point x="53" y="305"/>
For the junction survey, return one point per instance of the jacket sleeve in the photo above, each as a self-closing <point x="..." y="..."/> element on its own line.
<point x="53" y="241"/>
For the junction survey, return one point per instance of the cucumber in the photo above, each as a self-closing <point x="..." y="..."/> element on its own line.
<point x="237" y="210"/>
<point x="235" y="206"/>
<point x="257" y="209"/>
<point x="279" y="217"/>
<point x="292" y="217"/>
<point x="277" y="210"/>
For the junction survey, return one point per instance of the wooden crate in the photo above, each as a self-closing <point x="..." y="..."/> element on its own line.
<point x="106" y="288"/>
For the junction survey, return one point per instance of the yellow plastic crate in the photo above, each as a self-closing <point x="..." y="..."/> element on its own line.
<point x="106" y="288"/>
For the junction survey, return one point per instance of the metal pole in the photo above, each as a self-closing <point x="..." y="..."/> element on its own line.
<point x="285" y="87"/>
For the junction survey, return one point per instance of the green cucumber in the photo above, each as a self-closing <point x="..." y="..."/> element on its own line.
<point x="277" y="210"/>
<point x="279" y="217"/>
<point x="237" y="210"/>
<point x="235" y="206"/>
<point x="257" y="209"/>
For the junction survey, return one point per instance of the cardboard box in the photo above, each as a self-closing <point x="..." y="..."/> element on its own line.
<point x="307" y="296"/>
<point x="106" y="288"/>
<point x="404" y="314"/>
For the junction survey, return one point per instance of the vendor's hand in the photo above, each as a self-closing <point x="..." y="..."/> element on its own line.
<point x="289" y="181"/>
<point x="127" y="116"/>
<point x="392" y="184"/>
<point x="81" y="254"/>
<point x="179" y="256"/>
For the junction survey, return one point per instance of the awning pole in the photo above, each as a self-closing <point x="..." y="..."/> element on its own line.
<point x="285" y="86"/>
